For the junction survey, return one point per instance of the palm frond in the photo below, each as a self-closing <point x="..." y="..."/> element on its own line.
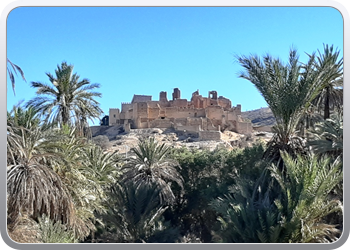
<point x="66" y="100"/>
<point x="13" y="68"/>
<point x="151" y="166"/>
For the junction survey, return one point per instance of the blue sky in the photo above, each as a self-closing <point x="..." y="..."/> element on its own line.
<point x="145" y="50"/>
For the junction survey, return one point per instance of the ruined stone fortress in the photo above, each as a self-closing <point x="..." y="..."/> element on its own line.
<point x="206" y="116"/>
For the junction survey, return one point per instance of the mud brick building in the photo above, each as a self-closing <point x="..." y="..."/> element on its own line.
<point x="208" y="116"/>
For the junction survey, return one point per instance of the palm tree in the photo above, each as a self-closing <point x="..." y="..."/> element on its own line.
<point x="306" y="196"/>
<point x="67" y="100"/>
<point x="11" y="67"/>
<point x="22" y="117"/>
<point x="54" y="172"/>
<point x="151" y="166"/>
<point x="100" y="166"/>
<point x="308" y="119"/>
<point x="298" y="214"/>
<point x="332" y="80"/>
<point x="288" y="89"/>
<point x="33" y="188"/>
<point x="247" y="220"/>
<point x="327" y="136"/>
<point x="135" y="214"/>
<point x="87" y="172"/>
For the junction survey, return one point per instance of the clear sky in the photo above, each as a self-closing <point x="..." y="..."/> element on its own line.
<point x="145" y="50"/>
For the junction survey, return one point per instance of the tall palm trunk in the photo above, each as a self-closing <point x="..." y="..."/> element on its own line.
<point x="65" y="116"/>
<point x="326" y="114"/>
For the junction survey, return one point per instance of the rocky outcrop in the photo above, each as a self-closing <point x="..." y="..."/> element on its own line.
<point x="121" y="141"/>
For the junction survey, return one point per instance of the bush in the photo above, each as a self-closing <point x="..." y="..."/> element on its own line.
<point x="51" y="232"/>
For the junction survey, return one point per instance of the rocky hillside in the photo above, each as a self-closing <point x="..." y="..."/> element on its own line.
<point x="112" y="138"/>
<point x="260" y="117"/>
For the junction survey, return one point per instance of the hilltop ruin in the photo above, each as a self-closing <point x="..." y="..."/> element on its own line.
<point x="207" y="116"/>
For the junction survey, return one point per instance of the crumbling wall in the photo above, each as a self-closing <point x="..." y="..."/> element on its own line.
<point x="114" y="116"/>
<point x="141" y="98"/>
<point x="215" y="112"/>
<point x="126" y="106"/>
<point x="210" y="135"/>
<point x="126" y="127"/>
<point x="224" y="102"/>
<point x="142" y="110"/>
<point x="213" y="95"/>
<point x="244" y="127"/>
<point x="199" y="112"/>
<point x="143" y="125"/>
<point x="179" y="103"/>
<point x="128" y="114"/>
<point x="197" y="101"/>
<point x="153" y="104"/>
<point x="194" y="121"/>
<point x="207" y="124"/>
<point x="187" y="128"/>
<point x="186" y="112"/>
<point x="188" y="124"/>
<point x="153" y="113"/>
<point x="176" y="94"/>
<point x="161" y="123"/>
<point x="238" y="109"/>
<point x="231" y="115"/>
<point x="171" y="112"/>
<point x="163" y="96"/>
<point x="180" y="121"/>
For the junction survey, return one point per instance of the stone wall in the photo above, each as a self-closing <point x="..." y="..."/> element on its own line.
<point x="141" y="98"/>
<point x="188" y="128"/>
<point x="210" y="135"/>
<point x="180" y="103"/>
<point x="161" y="123"/>
<point x="153" y="104"/>
<point x="244" y="127"/>
<point x="215" y="112"/>
<point x="126" y="106"/>
<point x="142" y="110"/>
<point x="114" y="116"/>
<point x="231" y="115"/>
<point x="224" y="102"/>
<point x="153" y="113"/>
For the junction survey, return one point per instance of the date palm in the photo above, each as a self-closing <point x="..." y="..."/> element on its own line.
<point x="331" y="94"/>
<point x="54" y="172"/>
<point x="308" y="119"/>
<point x="66" y="100"/>
<point x="134" y="212"/>
<point x="297" y="214"/>
<point x="288" y="89"/>
<point x="13" y="68"/>
<point x="33" y="188"/>
<point x="23" y="117"/>
<point x="306" y="197"/>
<point x="86" y="171"/>
<point x="327" y="136"/>
<point x="152" y="166"/>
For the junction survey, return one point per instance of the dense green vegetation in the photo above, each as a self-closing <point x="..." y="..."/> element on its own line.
<point x="68" y="189"/>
